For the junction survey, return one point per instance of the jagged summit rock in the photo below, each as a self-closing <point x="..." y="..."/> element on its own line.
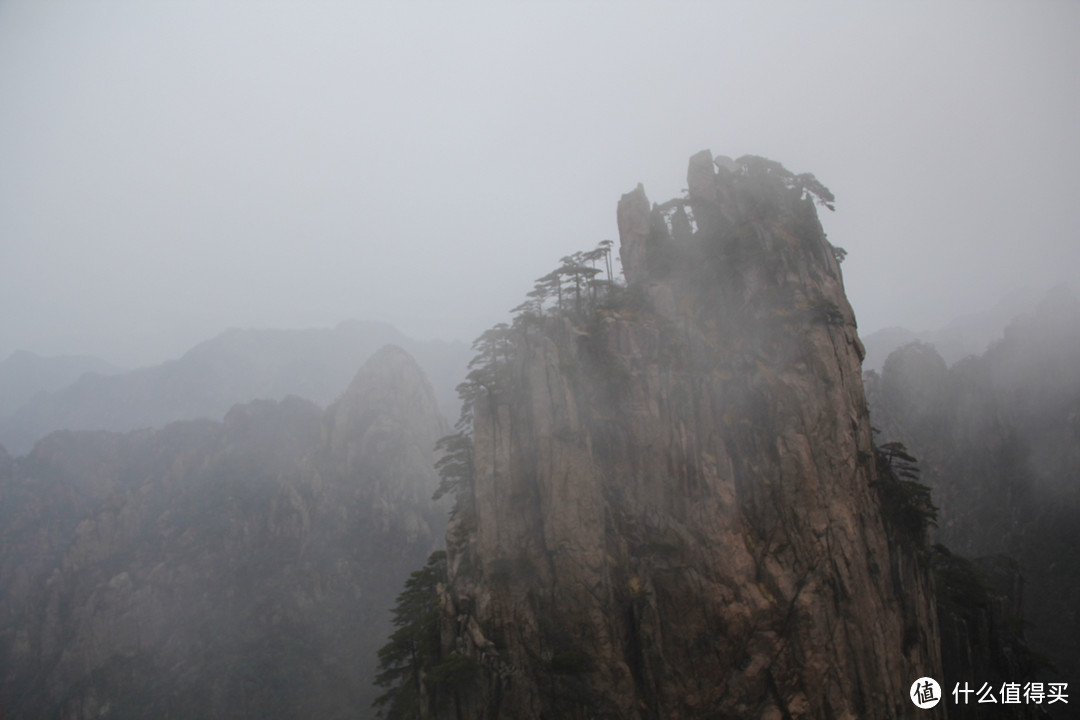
<point x="673" y="510"/>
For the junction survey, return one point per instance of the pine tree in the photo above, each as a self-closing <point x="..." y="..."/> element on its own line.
<point x="414" y="645"/>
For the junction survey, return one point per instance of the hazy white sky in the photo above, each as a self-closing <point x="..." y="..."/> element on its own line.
<point x="170" y="169"/>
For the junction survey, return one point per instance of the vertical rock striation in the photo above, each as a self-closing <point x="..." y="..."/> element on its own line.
<point x="673" y="510"/>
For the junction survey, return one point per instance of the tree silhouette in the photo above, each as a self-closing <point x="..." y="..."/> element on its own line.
<point x="455" y="467"/>
<point x="573" y="267"/>
<point x="414" y="645"/>
<point x="605" y="247"/>
<point x="550" y="284"/>
<point x="809" y="186"/>
<point x="905" y="498"/>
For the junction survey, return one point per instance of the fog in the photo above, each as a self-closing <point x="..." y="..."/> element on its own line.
<point x="170" y="170"/>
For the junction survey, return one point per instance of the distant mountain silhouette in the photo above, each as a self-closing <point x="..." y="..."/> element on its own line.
<point x="25" y="374"/>
<point x="964" y="336"/>
<point x="237" y="366"/>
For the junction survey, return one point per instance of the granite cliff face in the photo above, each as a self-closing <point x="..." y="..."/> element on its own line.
<point x="673" y="510"/>
<point x="212" y="570"/>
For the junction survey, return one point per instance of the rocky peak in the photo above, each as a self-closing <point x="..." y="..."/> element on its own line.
<point x="673" y="511"/>
<point x="754" y="248"/>
<point x="392" y="381"/>
<point x="390" y="405"/>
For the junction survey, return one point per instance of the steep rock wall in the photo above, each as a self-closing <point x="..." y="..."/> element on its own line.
<point x="672" y="513"/>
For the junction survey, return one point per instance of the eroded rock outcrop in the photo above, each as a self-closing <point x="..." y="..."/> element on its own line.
<point x="673" y="510"/>
<point x="235" y="569"/>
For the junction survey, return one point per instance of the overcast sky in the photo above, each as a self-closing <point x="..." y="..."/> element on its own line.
<point x="168" y="170"/>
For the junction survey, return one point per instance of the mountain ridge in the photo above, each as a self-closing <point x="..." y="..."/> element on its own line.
<point x="232" y="568"/>
<point x="963" y="336"/>
<point x="236" y="366"/>
<point x="25" y="374"/>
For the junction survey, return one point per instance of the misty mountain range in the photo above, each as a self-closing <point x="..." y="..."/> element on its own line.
<point x="959" y="338"/>
<point x="41" y="395"/>
<point x="24" y="375"/>
<point x="998" y="439"/>
<point x="240" y="568"/>
<point x="662" y="507"/>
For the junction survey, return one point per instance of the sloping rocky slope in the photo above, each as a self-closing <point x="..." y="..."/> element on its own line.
<point x="217" y="570"/>
<point x="673" y="511"/>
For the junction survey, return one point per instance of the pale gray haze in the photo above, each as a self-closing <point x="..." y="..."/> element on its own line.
<point x="168" y="170"/>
